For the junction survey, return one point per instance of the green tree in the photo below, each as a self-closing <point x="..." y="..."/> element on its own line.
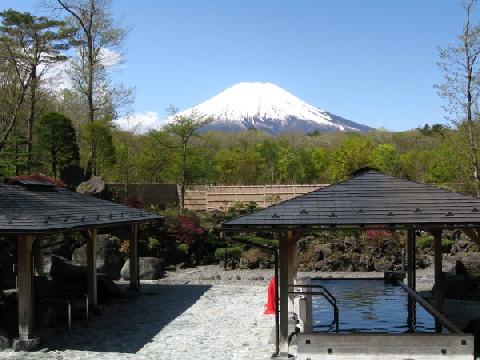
<point x="41" y="41"/>
<point x="98" y="39"/>
<point x="353" y="153"/>
<point x="239" y="167"/>
<point x="98" y="137"/>
<point x="461" y="88"/>
<point x="385" y="158"/>
<point x="58" y="141"/>
<point x="177" y="136"/>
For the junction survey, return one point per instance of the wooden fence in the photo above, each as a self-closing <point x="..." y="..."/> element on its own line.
<point x="222" y="197"/>
<point x="207" y="198"/>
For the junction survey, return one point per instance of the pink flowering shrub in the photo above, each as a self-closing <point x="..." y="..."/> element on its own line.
<point x="187" y="229"/>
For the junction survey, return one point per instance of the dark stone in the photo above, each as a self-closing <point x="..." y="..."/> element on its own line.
<point x="70" y="278"/>
<point x="4" y="339"/>
<point x="64" y="270"/>
<point x="7" y="276"/>
<point x="150" y="268"/>
<point x="473" y="328"/>
<point x="469" y="264"/>
<point x="109" y="258"/>
<point x="457" y="286"/>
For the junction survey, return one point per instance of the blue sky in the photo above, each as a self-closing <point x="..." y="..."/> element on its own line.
<point x="371" y="61"/>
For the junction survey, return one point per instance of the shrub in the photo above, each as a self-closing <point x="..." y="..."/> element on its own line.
<point x="220" y="253"/>
<point x="187" y="229"/>
<point x="256" y="258"/>
<point x="183" y="248"/>
<point x="255" y="240"/>
<point x="447" y="245"/>
<point x="241" y="208"/>
<point x="425" y="242"/>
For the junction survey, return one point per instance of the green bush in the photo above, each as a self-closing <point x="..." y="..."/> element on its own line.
<point x="255" y="240"/>
<point x="233" y="251"/>
<point x="183" y="248"/>
<point x="425" y="242"/>
<point x="447" y="245"/>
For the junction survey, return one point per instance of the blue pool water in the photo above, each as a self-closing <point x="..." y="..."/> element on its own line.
<point x="368" y="306"/>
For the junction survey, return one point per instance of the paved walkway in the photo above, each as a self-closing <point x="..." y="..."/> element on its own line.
<point x="172" y="322"/>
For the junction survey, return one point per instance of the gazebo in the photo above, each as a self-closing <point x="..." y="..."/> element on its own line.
<point x="367" y="200"/>
<point x="30" y="208"/>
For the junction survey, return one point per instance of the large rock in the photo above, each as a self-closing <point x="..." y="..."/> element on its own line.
<point x="71" y="278"/>
<point x="7" y="276"/>
<point x="65" y="270"/>
<point x="109" y="258"/>
<point x="457" y="286"/>
<point x="150" y="268"/>
<point x="469" y="264"/>
<point x="4" y="339"/>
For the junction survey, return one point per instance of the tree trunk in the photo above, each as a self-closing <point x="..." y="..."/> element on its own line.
<point x="31" y="117"/>
<point x="54" y="164"/>
<point x="183" y="186"/>
<point x="91" y="111"/>
<point x="470" y="60"/>
<point x="13" y="118"/>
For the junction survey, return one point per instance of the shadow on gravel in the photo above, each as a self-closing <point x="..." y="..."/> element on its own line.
<point x="127" y="327"/>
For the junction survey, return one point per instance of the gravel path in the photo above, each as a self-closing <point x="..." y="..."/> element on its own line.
<point x="179" y="322"/>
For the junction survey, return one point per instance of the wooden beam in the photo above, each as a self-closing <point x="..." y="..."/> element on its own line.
<point x="283" y="265"/>
<point x="134" y="265"/>
<point x="25" y="290"/>
<point x="38" y="256"/>
<point x="411" y="258"/>
<point x="439" y="283"/>
<point x="92" y="267"/>
<point x="292" y="247"/>
<point x="432" y="310"/>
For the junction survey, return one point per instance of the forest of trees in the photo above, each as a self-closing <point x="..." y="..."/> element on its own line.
<point x="69" y="131"/>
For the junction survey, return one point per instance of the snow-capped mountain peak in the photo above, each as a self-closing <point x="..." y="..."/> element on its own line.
<point x="268" y="107"/>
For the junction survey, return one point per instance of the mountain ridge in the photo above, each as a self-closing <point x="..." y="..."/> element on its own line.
<point x="268" y="107"/>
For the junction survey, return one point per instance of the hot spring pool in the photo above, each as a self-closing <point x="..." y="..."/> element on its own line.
<point x="367" y="306"/>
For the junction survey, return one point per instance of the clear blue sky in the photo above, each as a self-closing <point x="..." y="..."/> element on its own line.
<point x="371" y="61"/>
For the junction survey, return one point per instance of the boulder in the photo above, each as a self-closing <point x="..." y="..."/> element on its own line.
<point x="65" y="270"/>
<point x="7" y="276"/>
<point x="4" y="339"/>
<point x="468" y="264"/>
<point x="109" y="258"/>
<point x="458" y="286"/>
<point x="150" y="268"/>
<point x="70" y="278"/>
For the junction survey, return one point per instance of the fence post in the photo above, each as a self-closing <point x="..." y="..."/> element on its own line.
<point x="206" y="199"/>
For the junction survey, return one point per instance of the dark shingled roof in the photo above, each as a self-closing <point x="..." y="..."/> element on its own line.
<point x="370" y="198"/>
<point x="37" y="209"/>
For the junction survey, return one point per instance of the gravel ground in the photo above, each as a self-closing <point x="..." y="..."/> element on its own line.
<point x="200" y="313"/>
<point x="181" y="322"/>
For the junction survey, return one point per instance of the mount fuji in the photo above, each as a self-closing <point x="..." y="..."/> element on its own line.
<point x="268" y="107"/>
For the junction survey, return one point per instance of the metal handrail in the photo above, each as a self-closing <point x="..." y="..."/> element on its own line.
<point x="327" y="295"/>
<point x="69" y="307"/>
<point x="313" y="286"/>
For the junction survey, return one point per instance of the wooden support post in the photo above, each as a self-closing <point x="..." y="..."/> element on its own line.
<point x="411" y="259"/>
<point x="26" y="340"/>
<point x="38" y="256"/>
<point x="134" y="266"/>
<point x="439" y="283"/>
<point x="283" y="264"/>
<point x="411" y="278"/>
<point x="291" y="266"/>
<point x="92" y="267"/>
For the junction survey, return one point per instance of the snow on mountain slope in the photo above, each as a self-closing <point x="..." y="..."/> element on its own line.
<point x="267" y="107"/>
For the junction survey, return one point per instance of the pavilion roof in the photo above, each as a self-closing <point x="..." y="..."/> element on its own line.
<point x="33" y="208"/>
<point x="368" y="199"/>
